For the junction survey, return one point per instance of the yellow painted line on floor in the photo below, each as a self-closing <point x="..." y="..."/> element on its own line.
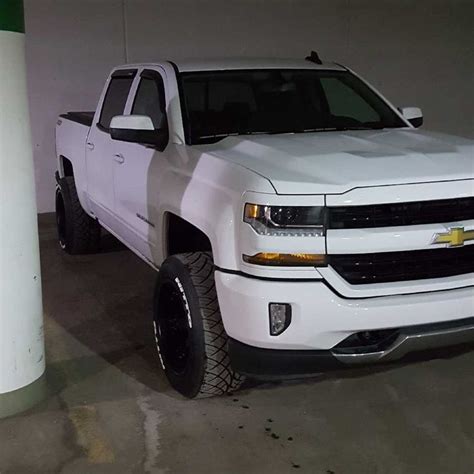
<point x="90" y="436"/>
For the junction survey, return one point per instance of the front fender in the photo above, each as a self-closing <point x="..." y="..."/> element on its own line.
<point x="208" y="194"/>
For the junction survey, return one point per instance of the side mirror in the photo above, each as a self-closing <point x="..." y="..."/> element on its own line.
<point x="138" y="129"/>
<point x="414" y="115"/>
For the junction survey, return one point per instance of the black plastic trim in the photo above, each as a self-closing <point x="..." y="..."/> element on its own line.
<point x="184" y="115"/>
<point x="125" y="73"/>
<point x="416" y="122"/>
<point x="84" y="118"/>
<point x="151" y="74"/>
<point x="256" y="361"/>
<point x="256" y="277"/>
<point x="156" y="138"/>
<point x="395" y="214"/>
<point x="402" y="266"/>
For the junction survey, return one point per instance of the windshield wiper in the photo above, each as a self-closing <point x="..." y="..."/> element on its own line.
<point x="320" y="129"/>
<point x="217" y="135"/>
<point x="248" y="132"/>
<point x="334" y="129"/>
<point x="362" y="127"/>
<point x="233" y="134"/>
<point x="278" y="132"/>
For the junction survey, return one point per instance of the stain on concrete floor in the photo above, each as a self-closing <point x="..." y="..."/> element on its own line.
<point x="111" y="410"/>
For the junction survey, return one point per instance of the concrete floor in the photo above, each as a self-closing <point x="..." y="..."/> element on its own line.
<point x="110" y="408"/>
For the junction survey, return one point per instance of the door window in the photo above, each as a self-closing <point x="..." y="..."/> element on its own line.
<point x="115" y="99"/>
<point x="150" y="99"/>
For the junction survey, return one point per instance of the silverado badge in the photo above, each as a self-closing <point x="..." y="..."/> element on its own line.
<point x="454" y="238"/>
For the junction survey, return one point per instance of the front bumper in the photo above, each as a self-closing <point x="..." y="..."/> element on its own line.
<point x="255" y="361"/>
<point x="322" y="319"/>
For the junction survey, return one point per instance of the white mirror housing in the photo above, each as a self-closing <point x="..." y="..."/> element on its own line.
<point x="132" y="122"/>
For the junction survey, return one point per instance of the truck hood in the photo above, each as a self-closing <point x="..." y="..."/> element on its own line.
<point x="335" y="162"/>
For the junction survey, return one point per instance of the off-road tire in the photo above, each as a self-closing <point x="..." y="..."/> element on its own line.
<point x="207" y="371"/>
<point x="78" y="233"/>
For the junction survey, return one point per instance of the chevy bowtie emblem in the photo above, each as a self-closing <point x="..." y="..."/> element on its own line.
<point x="454" y="238"/>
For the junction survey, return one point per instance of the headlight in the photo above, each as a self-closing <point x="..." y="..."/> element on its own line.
<point x="305" y="221"/>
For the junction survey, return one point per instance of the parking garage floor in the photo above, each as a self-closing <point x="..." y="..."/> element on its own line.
<point x="110" y="408"/>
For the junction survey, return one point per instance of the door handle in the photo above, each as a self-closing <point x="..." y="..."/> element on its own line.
<point x="90" y="145"/>
<point x="119" y="158"/>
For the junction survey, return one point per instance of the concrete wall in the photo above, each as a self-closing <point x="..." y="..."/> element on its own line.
<point x="417" y="52"/>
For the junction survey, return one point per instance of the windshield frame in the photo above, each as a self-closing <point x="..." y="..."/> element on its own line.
<point x="187" y="123"/>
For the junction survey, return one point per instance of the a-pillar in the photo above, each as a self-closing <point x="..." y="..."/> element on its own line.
<point x="22" y="362"/>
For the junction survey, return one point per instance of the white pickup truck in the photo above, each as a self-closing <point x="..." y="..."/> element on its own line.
<point x="297" y="219"/>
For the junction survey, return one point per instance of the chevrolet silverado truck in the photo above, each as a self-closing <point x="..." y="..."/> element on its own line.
<point x="296" y="219"/>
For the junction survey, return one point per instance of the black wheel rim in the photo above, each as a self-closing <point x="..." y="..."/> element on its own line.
<point x="173" y="329"/>
<point x="61" y="220"/>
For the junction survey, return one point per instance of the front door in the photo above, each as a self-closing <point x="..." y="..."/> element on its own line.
<point x="100" y="148"/>
<point x="137" y="174"/>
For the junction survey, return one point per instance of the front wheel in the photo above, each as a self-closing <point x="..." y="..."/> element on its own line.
<point x="190" y="336"/>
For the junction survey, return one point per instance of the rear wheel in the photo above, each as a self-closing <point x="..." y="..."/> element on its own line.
<point x="190" y="336"/>
<point x="78" y="233"/>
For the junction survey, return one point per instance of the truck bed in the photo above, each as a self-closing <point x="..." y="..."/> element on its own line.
<point x="72" y="130"/>
<point x="84" y="118"/>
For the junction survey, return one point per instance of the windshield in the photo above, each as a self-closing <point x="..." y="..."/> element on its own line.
<point x="239" y="102"/>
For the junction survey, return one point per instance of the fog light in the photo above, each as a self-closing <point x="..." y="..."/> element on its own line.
<point x="280" y="317"/>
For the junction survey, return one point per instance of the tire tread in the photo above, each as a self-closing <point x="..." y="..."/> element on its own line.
<point x="85" y="233"/>
<point x="219" y="377"/>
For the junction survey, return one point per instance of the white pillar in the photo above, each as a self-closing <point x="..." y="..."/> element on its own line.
<point x="22" y="362"/>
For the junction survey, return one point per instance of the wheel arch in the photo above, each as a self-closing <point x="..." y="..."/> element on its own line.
<point x="66" y="167"/>
<point x="182" y="236"/>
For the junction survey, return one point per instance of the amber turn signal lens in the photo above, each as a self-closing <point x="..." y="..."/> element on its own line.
<point x="252" y="211"/>
<point x="287" y="259"/>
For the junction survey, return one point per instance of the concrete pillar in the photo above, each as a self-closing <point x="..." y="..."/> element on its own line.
<point x="22" y="363"/>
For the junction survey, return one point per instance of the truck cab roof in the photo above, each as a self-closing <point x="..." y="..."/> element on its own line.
<point x="196" y="65"/>
<point x="252" y="63"/>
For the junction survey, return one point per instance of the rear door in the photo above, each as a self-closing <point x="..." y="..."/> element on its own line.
<point x="100" y="148"/>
